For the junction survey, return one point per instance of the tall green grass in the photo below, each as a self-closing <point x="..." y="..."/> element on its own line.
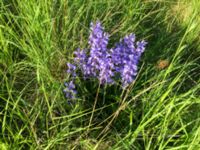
<point x="160" y="110"/>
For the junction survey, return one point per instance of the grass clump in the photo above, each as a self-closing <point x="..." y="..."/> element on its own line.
<point x="160" y="110"/>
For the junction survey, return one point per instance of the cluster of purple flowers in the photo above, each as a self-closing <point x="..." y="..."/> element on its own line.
<point x="70" y="91"/>
<point x="105" y="64"/>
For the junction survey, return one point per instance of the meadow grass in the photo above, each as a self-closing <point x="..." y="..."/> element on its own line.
<point x="160" y="110"/>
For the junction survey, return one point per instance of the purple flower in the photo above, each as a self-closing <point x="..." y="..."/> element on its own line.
<point x="80" y="56"/>
<point x="106" y="71"/>
<point x="103" y="63"/>
<point x="129" y="42"/>
<point x="98" y="39"/>
<point x="126" y="56"/>
<point x="71" y="69"/>
<point x="70" y="91"/>
<point x="141" y="46"/>
<point x="128" y="74"/>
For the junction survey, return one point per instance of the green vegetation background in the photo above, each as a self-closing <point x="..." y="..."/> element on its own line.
<point x="159" y="111"/>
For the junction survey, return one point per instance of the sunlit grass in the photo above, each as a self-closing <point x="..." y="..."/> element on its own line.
<point x="160" y="110"/>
